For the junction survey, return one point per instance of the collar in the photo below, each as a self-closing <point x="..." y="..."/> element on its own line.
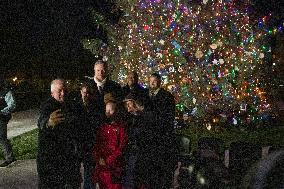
<point x="100" y="83"/>
<point x="136" y="86"/>
<point x="154" y="93"/>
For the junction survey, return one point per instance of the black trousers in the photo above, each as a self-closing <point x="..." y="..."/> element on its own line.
<point x="4" y="142"/>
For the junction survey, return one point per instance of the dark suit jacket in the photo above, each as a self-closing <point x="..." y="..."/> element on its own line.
<point x="90" y="119"/>
<point x="57" y="159"/>
<point x="109" y="87"/>
<point x="163" y="105"/>
<point x="141" y="93"/>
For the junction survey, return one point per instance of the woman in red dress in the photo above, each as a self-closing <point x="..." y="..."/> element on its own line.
<point x="110" y="141"/>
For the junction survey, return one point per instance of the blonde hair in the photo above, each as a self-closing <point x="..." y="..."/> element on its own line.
<point x="137" y="105"/>
<point x="109" y="98"/>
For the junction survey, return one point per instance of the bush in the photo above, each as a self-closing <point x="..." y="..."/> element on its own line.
<point x="263" y="136"/>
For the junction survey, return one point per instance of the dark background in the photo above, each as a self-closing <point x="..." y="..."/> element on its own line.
<point x="42" y="37"/>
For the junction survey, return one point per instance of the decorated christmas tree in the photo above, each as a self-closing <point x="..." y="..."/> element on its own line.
<point x="210" y="54"/>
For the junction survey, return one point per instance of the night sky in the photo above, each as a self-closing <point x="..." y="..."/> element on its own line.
<point x="43" y="37"/>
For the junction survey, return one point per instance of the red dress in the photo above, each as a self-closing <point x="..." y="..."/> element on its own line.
<point x="110" y="141"/>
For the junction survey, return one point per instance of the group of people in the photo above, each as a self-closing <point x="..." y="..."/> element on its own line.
<point x="121" y="135"/>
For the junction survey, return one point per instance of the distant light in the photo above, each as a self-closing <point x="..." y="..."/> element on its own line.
<point x="281" y="85"/>
<point x="202" y="180"/>
<point x="208" y="126"/>
<point x="190" y="168"/>
<point x="15" y="78"/>
<point x="273" y="64"/>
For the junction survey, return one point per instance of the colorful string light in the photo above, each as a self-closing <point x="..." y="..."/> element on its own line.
<point x="209" y="54"/>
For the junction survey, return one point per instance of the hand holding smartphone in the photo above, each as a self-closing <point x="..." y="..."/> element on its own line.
<point x="55" y="118"/>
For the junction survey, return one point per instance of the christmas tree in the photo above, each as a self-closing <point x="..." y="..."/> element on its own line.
<point x="210" y="55"/>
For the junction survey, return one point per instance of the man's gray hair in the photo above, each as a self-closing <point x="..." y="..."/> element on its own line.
<point x="55" y="82"/>
<point x="101" y="62"/>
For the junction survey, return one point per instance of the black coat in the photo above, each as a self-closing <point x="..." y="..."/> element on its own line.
<point x="90" y="119"/>
<point x="57" y="159"/>
<point x="148" y="144"/>
<point x="163" y="105"/>
<point x="137" y="89"/>
<point x="109" y="87"/>
<point x="141" y="93"/>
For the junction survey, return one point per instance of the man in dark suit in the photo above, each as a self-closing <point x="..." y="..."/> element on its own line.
<point x="101" y="84"/>
<point x="90" y="120"/>
<point x="57" y="159"/>
<point x="162" y="101"/>
<point x="163" y="106"/>
<point x="134" y="88"/>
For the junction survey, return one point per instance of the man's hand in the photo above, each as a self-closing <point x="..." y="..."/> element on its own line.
<point x="55" y="118"/>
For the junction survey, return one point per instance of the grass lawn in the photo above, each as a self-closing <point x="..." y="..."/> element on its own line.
<point x="25" y="145"/>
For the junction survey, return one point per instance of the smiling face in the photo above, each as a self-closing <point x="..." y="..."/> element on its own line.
<point x="132" y="79"/>
<point x="154" y="83"/>
<point x="110" y="109"/>
<point x="130" y="106"/>
<point x="58" y="90"/>
<point x="100" y="71"/>
<point x="85" y="94"/>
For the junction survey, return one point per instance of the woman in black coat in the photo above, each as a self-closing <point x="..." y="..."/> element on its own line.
<point x="147" y="156"/>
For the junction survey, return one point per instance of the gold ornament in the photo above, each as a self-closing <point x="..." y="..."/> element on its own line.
<point x="213" y="46"/>
<point x="199" y="54"/>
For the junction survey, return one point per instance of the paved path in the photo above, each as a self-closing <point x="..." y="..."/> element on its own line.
<point x="22" y="122"/>
<point x="20" y="175"/>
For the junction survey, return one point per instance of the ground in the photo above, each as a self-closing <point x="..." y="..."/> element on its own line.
<point x="21" y="174"/>
<point x="22" y="122"/>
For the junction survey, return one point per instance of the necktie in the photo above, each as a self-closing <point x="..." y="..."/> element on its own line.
<point x="100" y="89"/>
